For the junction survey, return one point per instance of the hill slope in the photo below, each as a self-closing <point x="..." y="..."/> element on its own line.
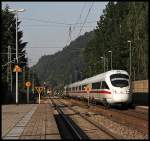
<point x="64" y="66"/>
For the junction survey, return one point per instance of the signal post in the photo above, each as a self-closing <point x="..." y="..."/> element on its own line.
<point x="88" y="89"/>
<point x="28" y="84"/>
<point x="39" y="90"/>
<point x="17" y="69"/>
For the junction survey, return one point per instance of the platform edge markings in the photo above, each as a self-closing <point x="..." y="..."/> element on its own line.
<point x="16" y="131"/>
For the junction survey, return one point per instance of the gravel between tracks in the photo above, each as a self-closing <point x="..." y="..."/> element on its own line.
<point x="126" y="132"/>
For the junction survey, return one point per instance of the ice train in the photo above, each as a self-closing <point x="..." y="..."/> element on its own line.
<point x="109" y="88"/>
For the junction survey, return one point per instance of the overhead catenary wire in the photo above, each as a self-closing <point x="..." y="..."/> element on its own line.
<point x="11" y="53"/>
<point x="70" y="29"/>
<point x="43" y="47"/>
<point x="85" y="21"/>
<point x="12" y="61"/>
<point x="11" y="48"/>
<point x="79" y="16"/>
<point x="62" y="23"/>
<point x="63" y="26"/>
<point x="75" y="25"/>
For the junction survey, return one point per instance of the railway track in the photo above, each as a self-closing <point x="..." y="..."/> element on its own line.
<point x="130" y="117"/>
<point x="67" y="127"/>
<point x="126" y="118"/>
<point x="135" y="113"/>
<point x="102" y="131"/>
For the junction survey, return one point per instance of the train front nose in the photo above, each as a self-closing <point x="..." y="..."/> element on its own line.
<point x="121" y="96"/>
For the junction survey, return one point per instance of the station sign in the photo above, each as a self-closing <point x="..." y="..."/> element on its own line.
<point x="17" y="69"/>
<point x="88" y="88"/>
<point x="39" y="90"/>
<point x="28" y="84"/>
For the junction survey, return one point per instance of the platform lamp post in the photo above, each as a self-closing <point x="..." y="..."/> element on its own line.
<point x="130" y="67"/>
<point x="16" y="11"/>
<point x="130" y="57"/>
<point x="103" y="61"/>
<point x="111" y="58"/>
<point x="44" y="88"/>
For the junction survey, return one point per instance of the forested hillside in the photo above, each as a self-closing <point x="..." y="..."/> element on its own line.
<point x="64" y="66"/>
<point x="120" y="22"/>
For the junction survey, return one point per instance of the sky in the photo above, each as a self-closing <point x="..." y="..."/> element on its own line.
<point x="49" y="26"/>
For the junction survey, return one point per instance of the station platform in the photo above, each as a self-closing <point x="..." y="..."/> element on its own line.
<point x="29" y="121"/>
<point x="142" y="108"/>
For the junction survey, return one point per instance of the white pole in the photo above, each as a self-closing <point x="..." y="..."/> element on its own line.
<point x="104" y="63"/>
<point x="130" y="57"/>
<point x="23" y="71"/>
<point x="111" y="60"/>
<point x="88" y="99"/>
<point x="39" y="98"/>
<point x="10" y="71"/>
<point x="27" y="94"/>
<point x="16" y="12"/>
<point x="130" y="67"/>
<point x="16" y="59"/>
<point x="8" y="66"/>
<point x="130" y="60"/>
<point x="33" y="82"/>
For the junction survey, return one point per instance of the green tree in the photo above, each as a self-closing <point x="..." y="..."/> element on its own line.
<point x="9" y="39"/>
<point x="120" y="22"/>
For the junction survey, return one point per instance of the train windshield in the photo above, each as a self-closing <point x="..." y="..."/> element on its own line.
<point x="119" y="80"/>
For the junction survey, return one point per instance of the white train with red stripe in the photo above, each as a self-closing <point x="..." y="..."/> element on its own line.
<point x="111" y="87"/>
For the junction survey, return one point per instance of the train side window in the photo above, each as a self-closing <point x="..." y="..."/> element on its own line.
<point x="73" y="88"/>
<point x="96" y="85"/>
<point x="100" y="84"/>
<point x="79" y="87"/>
<point x="70" y="89"/>
<point x="104" y="85"/>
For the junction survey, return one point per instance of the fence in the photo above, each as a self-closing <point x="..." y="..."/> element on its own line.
<point x="140" y="92"/>
<point x="140" y="86"/>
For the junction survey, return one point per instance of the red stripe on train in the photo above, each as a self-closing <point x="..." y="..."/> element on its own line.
<point x="101" y="92"/>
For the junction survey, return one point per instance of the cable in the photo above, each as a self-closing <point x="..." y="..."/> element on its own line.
<point x="85" y="19"/>
<point x="70" y="29"/>
<point x="45" y="21"/>
<point x="44" y="47"/>
<point x="70" y="32"/>
<point x="12" y="61"/>
<point x="11" y="53"/>
<point x="79" y="16"/>
<point x="55" y="26"/>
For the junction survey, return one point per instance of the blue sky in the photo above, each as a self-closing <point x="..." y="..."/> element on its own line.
<point x="45" y="25"/>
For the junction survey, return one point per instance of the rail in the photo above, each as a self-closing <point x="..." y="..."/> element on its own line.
<point x="75" y="131"/>
<point x="104" y="129"/>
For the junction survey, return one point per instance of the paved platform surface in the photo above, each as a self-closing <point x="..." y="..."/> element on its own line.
<point x="29" y="121"/>
<point x="142" y="108"/>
